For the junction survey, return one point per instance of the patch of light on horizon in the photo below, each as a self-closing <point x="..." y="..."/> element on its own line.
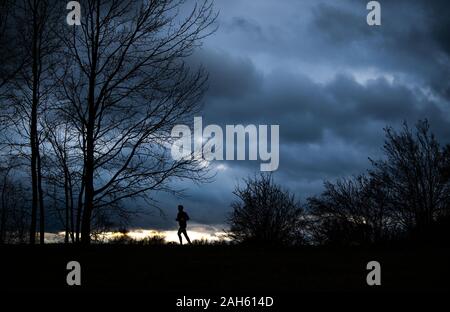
<point x="195" y="232"/>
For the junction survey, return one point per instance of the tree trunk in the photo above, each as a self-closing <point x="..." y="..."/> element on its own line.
<point x="89" y="190"/>
<point x="79" y="211"/>
<point x="72" y="235"/>
<point x="88" y="177"/>
<point x="41" y="198"/>
<point x="89" y="165"/>
<point x="33" y="139"/>
<point x="67" y="216"/>
<point x="89" y="162"/>
<point x="33" y="130"/>
<point x="3" y="219"/>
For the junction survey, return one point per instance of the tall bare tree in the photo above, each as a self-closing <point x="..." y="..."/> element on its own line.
<point x="37" y="21"/>
<point x="125" y="86"/>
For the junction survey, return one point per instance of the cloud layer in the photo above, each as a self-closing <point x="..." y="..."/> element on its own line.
<point x="328" y="79"/>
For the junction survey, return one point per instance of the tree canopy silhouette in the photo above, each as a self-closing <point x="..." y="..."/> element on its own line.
<point x="351" y="211"/>
<point x="414" y="171"/>
<point x="265" y="213"/>
<point x="404" y="195"/>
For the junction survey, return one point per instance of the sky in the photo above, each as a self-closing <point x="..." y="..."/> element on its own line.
<point x="330" y="81"/>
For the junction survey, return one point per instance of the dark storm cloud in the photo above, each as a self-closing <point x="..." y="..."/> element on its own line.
<point x="305" y="109"/>
<point x="441" y="24"/>
<point x="247" y="26"/>
<point x="328" y="79"/>
<point x="339" y="25"/>
<point x="228" y="77"/>
<point x="413" y="39"/>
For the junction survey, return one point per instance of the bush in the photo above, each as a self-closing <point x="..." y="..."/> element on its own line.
<point x="265" y="214"/>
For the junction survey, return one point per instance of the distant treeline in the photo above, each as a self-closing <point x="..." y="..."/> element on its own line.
<point x="404" y="196"/>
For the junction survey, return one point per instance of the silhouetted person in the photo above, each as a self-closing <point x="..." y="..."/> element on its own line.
<point x="182" y="218"/>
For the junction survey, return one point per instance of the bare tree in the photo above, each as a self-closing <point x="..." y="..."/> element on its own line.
<point x="125" y="86"/>
<point x="61" y="173"/>
<point x="351" y="211"/>
<point x="37" y="21"/>
<point x="13" y="205"/>
<point x="404" y="193"/>
<point x="265" y="213"/>
<point x="414" y="171"/>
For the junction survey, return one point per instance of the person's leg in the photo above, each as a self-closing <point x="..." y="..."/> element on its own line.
<point x="187" y="237"/>
<point x="179" y="236"/>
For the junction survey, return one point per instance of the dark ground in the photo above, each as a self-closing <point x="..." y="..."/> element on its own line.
<point x="223" y="268"/>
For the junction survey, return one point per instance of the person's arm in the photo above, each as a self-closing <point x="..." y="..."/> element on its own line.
<point x="186" y="216"/>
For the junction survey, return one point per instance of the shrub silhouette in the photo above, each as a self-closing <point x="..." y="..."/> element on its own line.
<point x="404" y="195"/>
<point x="265" y="214"/>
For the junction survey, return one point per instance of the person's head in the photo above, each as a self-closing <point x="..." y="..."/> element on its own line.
<point x="180" y="207"/>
